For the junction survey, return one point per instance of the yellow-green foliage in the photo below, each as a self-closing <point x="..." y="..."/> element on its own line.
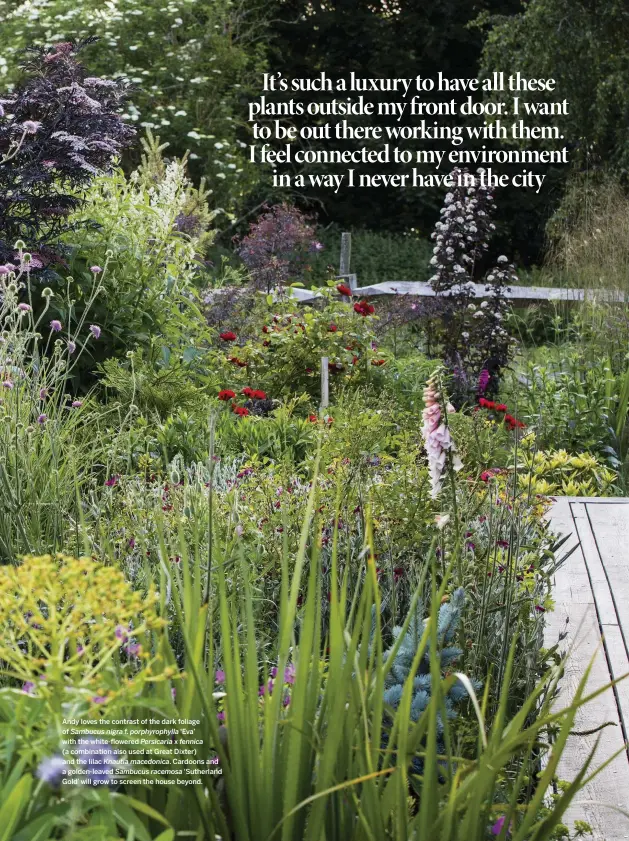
<point x="67" y="625"/>
<point x="550" y="472"/>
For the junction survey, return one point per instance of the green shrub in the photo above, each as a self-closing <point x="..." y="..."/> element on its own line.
<point x="192" y="65"/>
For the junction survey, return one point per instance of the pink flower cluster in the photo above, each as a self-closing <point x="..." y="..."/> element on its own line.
<point x="437" y="439"/>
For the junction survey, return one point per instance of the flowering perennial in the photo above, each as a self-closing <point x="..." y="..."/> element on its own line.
<point x="437" y="439"/>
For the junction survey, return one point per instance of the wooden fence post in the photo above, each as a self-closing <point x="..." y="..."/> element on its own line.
<point x="346" y="253"/>
<point x="325" y="383"/>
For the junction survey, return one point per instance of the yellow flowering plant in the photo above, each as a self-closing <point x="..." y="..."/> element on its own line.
<point x="75" y="632"/>
<point x="549" y="472"/>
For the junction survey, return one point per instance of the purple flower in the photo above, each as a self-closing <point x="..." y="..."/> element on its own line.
<point x="24" y="307"/>
<point x="133" y="649"/>
<point x="113" y="480"/>
<point x="95" y="269"/>
<point x="220" y="716"/>
<point x="41" y="420"/>
<point x="483" y="381"/>
<point x="71" y="347"/>
<point x="43" y="393"/>
<point x="99" y="699"/>
<point x="52" y="770"/>
<point x="220" y="676"/>
<point x="79" y="650"/>
<point x="55" y="326"/>
<point x="28" y="688"/>
<point x="497" y="827"/>
<point x="31" y="126"/>
<point x="286" y="700"/>
<point x="76" y="404"/>
<point x="7" y="384"/>
<point x="4" y="270"/>
<point x="289" y="674"/>
<point x="121" y="633"/>
<point x="95" y="330"/>
<point x="98" y="760"/>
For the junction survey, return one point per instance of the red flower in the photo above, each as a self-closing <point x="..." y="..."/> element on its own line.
<point x="240" y="410"/>
<point x="487" y="404"/>
<point x="378" y="362"/>
<point x="241" y="363"/>
<point x="342" y="289"/>
<point x="258" y="394"/>
<point x="226" y="394"/>
<point x="266" y="343"/>
<point x="312" y="418"/>
<point x="364" y="308"/>
<point x="265" y="329"/>
<point x="332" y="328"/>
<point x="228" y="336"/>
<point x="501" y="407"/>
<point x="248" y="392"/>
<point x="354" y="360"/>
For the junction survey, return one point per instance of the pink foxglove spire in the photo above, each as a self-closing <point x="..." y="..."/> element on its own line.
<point x="437" y="439"/>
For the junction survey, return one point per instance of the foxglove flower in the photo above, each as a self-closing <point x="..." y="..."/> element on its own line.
<point x="437" y="439"/>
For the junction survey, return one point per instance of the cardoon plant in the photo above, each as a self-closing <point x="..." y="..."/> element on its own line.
<point x="58" y="130"/>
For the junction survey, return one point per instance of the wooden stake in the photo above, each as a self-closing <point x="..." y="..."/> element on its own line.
<point x="325" y="383"/>
<point x="346" y="253"/>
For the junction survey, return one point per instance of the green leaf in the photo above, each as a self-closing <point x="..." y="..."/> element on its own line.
<point x="14" y="806"/>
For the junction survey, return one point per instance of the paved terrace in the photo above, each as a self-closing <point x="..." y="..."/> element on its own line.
<point x="592" y="603"/>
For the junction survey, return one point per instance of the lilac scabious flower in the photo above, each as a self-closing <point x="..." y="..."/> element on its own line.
<point x="95" y="269"/>
<point x="55" y="326"/>
<point x="52" y="770"/>
<point x="220" y="676"/>
<point x="95" y="330"/>
<point x="71" y="347"/>
<point x="31" y="126"/>
<point x="437" y="439"/>
<point x="97" y="759"/>
<point x="76" y="404"/>
<point x="43" y="393"/>
<point x="42" y="419"/>
<point x="24" y="307"/>
<point x="7" y="384"/>
<point x="28" y="688"/>
<point x="4" y="270"/>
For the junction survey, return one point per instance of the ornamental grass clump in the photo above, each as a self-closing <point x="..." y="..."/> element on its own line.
<point x="74" y="631"/>
<point x="48" y="444"/>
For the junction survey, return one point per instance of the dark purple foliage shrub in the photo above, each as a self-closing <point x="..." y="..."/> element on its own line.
<point x="277" y="246"/>
<point x="58" y="130"/>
